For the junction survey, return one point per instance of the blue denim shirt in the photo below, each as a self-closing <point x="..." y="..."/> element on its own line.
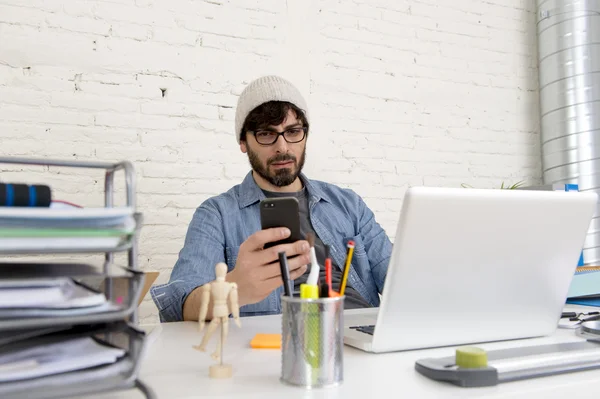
<point x="222" y="223"/>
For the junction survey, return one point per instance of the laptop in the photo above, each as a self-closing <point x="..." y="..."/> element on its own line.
<point x="475" y="265"/>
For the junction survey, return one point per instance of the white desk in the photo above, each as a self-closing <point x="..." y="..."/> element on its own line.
<point x="174" y="370"/>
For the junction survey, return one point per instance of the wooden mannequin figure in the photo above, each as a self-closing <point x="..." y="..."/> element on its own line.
<point x="219" y="291"/>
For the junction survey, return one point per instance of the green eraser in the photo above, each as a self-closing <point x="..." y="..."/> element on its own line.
<point x="470" y="357"/>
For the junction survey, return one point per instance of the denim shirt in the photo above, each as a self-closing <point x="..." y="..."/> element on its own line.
<point x="222" y="223"/>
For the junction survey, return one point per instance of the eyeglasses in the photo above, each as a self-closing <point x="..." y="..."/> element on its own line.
<point x="577" y="319"/>
<point x="291" y="135"/>
<point x="581" y="317"/>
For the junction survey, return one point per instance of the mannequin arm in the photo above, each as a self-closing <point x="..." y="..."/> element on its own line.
<point x="235" y="308"/>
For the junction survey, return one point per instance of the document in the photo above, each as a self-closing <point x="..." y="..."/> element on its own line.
<point x="61" y="293"/>
<point x="43" y="360"/>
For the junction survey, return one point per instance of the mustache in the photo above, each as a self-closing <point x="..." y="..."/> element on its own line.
<point x="281" y="158"/>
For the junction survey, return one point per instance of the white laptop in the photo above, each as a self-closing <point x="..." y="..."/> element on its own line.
<point x="476" y="265"/>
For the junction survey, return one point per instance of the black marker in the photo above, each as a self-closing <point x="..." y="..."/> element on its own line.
<point x="285" y="274"/>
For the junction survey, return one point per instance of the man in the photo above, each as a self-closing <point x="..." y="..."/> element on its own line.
<point x="272" y="127"/>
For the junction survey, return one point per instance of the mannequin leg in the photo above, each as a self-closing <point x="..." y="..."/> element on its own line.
<point x="218" y="353"/>
<point x="214" y="323"/>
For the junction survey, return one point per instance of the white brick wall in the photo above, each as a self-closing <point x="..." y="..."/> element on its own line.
<point x="401" y="93"/>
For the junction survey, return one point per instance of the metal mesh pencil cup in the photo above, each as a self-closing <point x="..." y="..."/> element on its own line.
<point x="312" y="341"/>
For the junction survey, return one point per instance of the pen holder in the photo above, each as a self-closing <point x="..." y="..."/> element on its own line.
<point x="312" y="341"/>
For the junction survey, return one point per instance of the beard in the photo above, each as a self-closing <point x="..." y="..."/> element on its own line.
<point x="281" y="177"/>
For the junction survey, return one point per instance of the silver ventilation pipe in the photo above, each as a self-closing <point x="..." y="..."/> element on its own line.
<point x="568" y="34"/>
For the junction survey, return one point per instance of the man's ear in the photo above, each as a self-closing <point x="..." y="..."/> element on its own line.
<point x="243" y="147"/>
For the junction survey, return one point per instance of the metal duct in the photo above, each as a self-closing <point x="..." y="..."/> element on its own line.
<point x="568" y="34"/>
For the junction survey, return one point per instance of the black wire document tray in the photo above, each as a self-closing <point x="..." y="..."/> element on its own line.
<point x="119" y="373"/>
<point x="80" y="283"/>
<point x="513" y="364"/>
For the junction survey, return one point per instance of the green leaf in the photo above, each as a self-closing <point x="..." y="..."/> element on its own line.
<point x="517" y="185"/>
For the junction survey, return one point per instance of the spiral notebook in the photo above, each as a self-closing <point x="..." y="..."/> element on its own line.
<point x="585" y="287"/>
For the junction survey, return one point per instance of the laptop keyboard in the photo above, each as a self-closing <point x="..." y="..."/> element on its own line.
<point x="365" y="329"/>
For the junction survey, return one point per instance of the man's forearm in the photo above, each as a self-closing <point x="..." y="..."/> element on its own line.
<point x="191" y="306"/>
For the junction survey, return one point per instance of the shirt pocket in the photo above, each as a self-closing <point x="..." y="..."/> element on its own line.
<point x="161" y="297"/>
<point x="359" y="246"/>
<point x="231" y="254"/>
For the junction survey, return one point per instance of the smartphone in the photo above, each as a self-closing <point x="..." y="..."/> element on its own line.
<point x="281" y="212"/>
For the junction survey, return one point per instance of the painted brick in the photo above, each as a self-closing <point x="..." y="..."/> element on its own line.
<point x="403" y="93"/>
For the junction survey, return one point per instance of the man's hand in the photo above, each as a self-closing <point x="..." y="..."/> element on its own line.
<point x="237" y="322"/>
<point x="257" y="271"/>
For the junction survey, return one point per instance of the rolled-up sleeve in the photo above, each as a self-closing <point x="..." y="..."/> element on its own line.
<point x="203" y="248"/>
<point x="377" y="244"/>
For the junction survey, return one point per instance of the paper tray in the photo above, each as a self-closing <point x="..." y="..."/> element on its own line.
<point x="21" y="319"/>
<point x="119" y="375"/>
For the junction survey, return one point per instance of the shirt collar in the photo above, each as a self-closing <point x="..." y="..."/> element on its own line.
<point x="250" y="192"/>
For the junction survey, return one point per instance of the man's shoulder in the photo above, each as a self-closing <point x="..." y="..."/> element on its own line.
<point x="335" y="191"/>
<point x="223" y="201"/>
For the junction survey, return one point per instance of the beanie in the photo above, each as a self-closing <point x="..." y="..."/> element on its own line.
<point x="262" y="90"/>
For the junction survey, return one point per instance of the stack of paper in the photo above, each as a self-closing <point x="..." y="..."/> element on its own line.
<point x="48" y="229"/>
<point x="50" y="298"/>
<point x="62" y="293"/>
<point x="43" y="360"/>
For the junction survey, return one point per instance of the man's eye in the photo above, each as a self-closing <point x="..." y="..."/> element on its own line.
<point x="264" y="134"/>
<point x="296" y="131"/>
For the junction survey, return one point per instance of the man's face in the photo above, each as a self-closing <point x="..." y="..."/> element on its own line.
<point x="279" y="163"/>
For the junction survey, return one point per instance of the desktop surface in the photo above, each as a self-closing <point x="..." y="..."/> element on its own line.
<point x="173" y="369"/>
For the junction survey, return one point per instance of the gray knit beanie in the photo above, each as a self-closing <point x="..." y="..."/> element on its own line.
<point x="262" y="90"/>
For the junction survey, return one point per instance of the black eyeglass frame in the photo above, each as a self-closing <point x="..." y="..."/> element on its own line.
<point x="580" y="317"/>
<point x="304" y="129"/>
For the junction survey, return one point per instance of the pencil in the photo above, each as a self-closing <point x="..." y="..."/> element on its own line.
<point x="347" y="266"/>
<point x="285" y="274"/>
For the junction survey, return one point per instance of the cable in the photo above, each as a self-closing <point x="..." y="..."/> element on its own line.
<point x="145" y="389"/>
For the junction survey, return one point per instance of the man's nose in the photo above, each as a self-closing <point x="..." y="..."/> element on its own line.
<point x="280" y="145"/>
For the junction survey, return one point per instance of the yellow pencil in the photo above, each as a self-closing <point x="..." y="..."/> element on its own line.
<point x="347" y="266"/>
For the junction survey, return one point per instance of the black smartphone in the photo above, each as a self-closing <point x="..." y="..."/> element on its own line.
<point x="281" y="212"/>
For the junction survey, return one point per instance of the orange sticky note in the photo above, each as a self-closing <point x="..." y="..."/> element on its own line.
<point x="266" y="341"/>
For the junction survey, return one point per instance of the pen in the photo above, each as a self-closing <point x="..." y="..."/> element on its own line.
<point x="327" y="352"/>
<point x="347" y="267"/>
<point x="327" y="268"/>
<point x="285" y="274"/>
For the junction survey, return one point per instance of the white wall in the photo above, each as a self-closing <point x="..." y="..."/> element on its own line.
<point x="401" y="92"/>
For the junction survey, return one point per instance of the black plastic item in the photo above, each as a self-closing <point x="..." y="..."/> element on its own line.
<point x="285" y="274"/>
<point x="24" y="195"/>
<point x="323" y="290"/>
